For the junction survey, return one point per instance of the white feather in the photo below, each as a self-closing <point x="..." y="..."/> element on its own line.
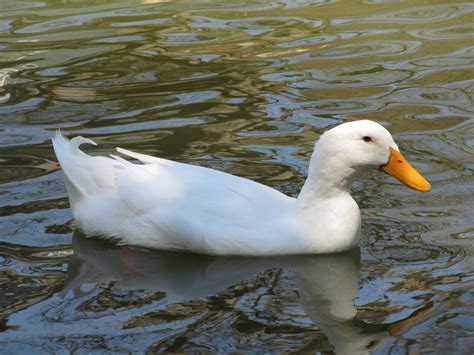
<point x="163" y="204"/>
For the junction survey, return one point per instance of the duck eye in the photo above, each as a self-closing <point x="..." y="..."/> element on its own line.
<point x="367" y="139"/>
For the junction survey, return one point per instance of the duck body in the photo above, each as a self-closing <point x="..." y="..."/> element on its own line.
<point x="163" y="204"/>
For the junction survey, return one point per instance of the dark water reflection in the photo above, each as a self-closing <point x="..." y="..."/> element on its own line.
<point x="262" y="299"/>
<point x="245" y="88"/>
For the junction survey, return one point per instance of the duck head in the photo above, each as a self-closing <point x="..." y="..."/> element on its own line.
<point x="353" y="146"/>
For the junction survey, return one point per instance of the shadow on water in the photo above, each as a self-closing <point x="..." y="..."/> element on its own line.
<point x="101" y="275"/>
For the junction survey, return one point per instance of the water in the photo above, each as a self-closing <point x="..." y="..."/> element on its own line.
<point x="246" y="88"/>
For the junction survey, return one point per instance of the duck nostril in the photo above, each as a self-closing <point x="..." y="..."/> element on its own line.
<point x="400" y="161"/>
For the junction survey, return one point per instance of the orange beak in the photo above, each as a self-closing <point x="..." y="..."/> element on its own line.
<point x="399" y="168"/>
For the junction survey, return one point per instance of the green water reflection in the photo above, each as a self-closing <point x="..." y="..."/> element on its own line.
<point x="246" y="88"/>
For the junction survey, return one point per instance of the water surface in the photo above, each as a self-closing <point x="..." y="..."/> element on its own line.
<point x="245" y="88"/>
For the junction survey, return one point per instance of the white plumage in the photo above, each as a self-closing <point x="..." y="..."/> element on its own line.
<point x="164" y="204"/>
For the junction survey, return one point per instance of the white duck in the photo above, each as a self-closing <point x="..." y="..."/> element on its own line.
<point x="174" y="206"/>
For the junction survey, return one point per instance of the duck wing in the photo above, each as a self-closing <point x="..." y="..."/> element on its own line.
<point x="189" y="207"/>
<point x="164" y="204"/>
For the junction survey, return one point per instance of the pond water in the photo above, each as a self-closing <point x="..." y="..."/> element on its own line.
<point x="246" y="88"/>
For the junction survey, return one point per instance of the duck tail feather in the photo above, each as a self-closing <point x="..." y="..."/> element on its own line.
<point x="69" y="157"/>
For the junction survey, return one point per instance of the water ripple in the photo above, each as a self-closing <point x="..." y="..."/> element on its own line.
<point x="247" y="89"/>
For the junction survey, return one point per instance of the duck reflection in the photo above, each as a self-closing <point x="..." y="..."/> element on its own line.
<point x="327" y="283"/>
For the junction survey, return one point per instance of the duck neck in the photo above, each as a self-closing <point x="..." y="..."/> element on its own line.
<point x="328" y="177"/>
